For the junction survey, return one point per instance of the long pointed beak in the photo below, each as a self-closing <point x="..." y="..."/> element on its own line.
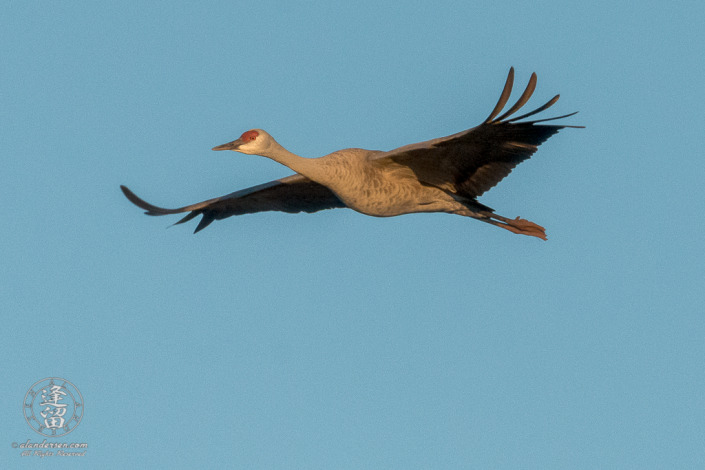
<point x="229" y="146"/>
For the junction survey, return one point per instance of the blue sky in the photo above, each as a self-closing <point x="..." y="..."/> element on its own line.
<point x="336" y="340"/>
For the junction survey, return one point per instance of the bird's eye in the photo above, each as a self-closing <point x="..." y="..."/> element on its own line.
<point x="249" y="136"/>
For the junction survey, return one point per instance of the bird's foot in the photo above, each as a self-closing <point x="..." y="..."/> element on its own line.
<point x="518" y="225"/>
<point x="525" y="227"/>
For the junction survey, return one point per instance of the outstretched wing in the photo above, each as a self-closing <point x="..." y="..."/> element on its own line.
<point x="295" y="193"/>
<point x="471" y="162"/>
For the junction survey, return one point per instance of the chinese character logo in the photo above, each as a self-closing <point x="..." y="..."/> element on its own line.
<point x="53" y="407"/>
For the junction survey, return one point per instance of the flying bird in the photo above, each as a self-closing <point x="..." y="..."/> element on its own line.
<point x="447" y="174"/>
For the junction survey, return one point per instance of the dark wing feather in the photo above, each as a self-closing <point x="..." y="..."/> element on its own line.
<point x="292" y="194"/>
<point x="471" y="162"/>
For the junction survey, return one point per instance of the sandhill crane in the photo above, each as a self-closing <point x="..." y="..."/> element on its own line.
<point x="447" y="174"/>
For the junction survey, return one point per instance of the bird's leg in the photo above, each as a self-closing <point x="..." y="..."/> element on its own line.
<point x="518" y="225"/>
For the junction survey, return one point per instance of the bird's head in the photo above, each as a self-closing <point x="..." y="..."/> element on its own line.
<point x="254" y="141"/>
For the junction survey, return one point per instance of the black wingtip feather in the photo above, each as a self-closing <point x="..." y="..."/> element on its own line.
<point x="550" y="103"/>
<point x="554" y="118"/>
<point x="142" y="204"/>
<point x="188" y="217"/>
<point x="523" y="99"/>
<point x="206" y="220"/>
<point x="504" y="97"/>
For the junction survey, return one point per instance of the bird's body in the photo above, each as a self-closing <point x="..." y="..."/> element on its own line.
<point x="377" y="187"/>
<point x="440" y="175"/>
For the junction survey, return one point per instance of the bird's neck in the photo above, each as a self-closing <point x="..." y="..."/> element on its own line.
<point x="307" y="167"/>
